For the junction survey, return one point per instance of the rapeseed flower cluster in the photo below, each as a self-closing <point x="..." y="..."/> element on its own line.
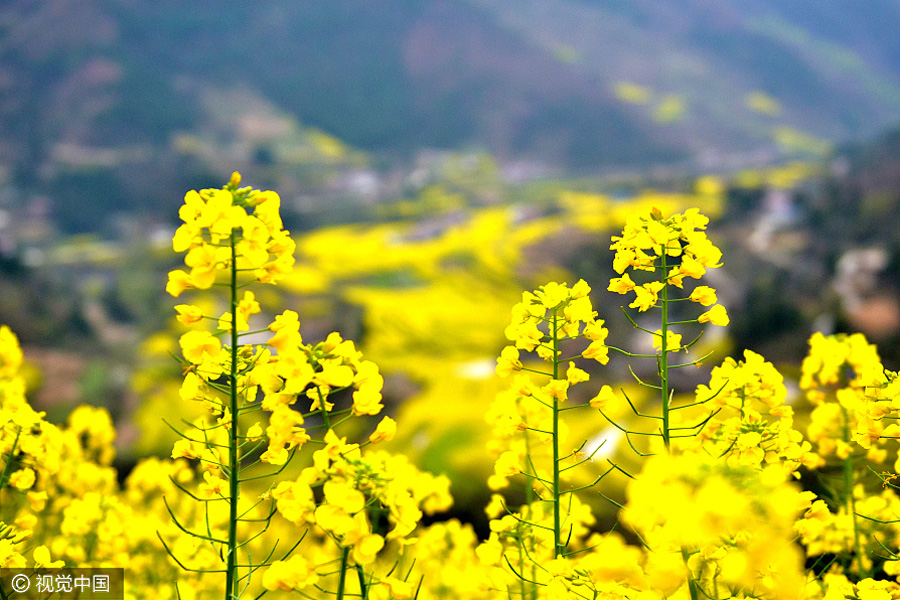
<point x="673" y="248"/>
<point x="28" y="453"/>
<point x="853" y="398"/>
<point x="752" y="424"/>
<point x="531" y="439"/>
<point x="837" y="375"/>
<point x="716" y="513"/>
<point x="227" y="234"/>
<point x="720" y="531"/>
<point x="61" y="503"/>
<point x="368" y="501"/>
<point x="230" y="227"/>
<point x="49" y="473"/>
<point x="302" y="391"/>
<point x="525" y="417"/>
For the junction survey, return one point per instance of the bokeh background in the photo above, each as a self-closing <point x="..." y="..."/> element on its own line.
<point x="435" y="158"/>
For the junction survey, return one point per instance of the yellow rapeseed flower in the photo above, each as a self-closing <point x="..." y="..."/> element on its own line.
<point x="196" y="346"/>
<point x="716" y="315"/>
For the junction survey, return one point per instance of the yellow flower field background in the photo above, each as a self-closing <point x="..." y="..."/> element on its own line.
<point x="275" y="458"/>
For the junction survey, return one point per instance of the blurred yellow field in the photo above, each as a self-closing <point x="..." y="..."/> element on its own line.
<point x="284" y="475"/>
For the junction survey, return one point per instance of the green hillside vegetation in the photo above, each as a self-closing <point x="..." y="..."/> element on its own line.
<point x="105" y="92"/>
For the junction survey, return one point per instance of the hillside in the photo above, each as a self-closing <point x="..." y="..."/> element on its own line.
<point x="96" y="94"/>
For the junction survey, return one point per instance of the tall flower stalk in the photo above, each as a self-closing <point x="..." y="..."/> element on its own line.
<point x="671" y="249"/>
<point x="528" y="420"/>
<point x="842" y="377"/>
<point x="233" y="237"/>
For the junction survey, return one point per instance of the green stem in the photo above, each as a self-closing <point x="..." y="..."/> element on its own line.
<point x="529" y="499"/>
<point x="664" y="356"/>
<point x="520" y="542"/>
<point x="363" y="588"/>
<point x="557" y="547"/>
<point x="849" y="499"/>
<point x="231" y="579"/>
<point x="345" y="556"/>
<point x="692" y="585"/>
<point x="4" y="477"/>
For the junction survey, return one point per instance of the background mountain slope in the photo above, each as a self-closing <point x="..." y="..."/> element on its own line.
<point x="108" y="85"/>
